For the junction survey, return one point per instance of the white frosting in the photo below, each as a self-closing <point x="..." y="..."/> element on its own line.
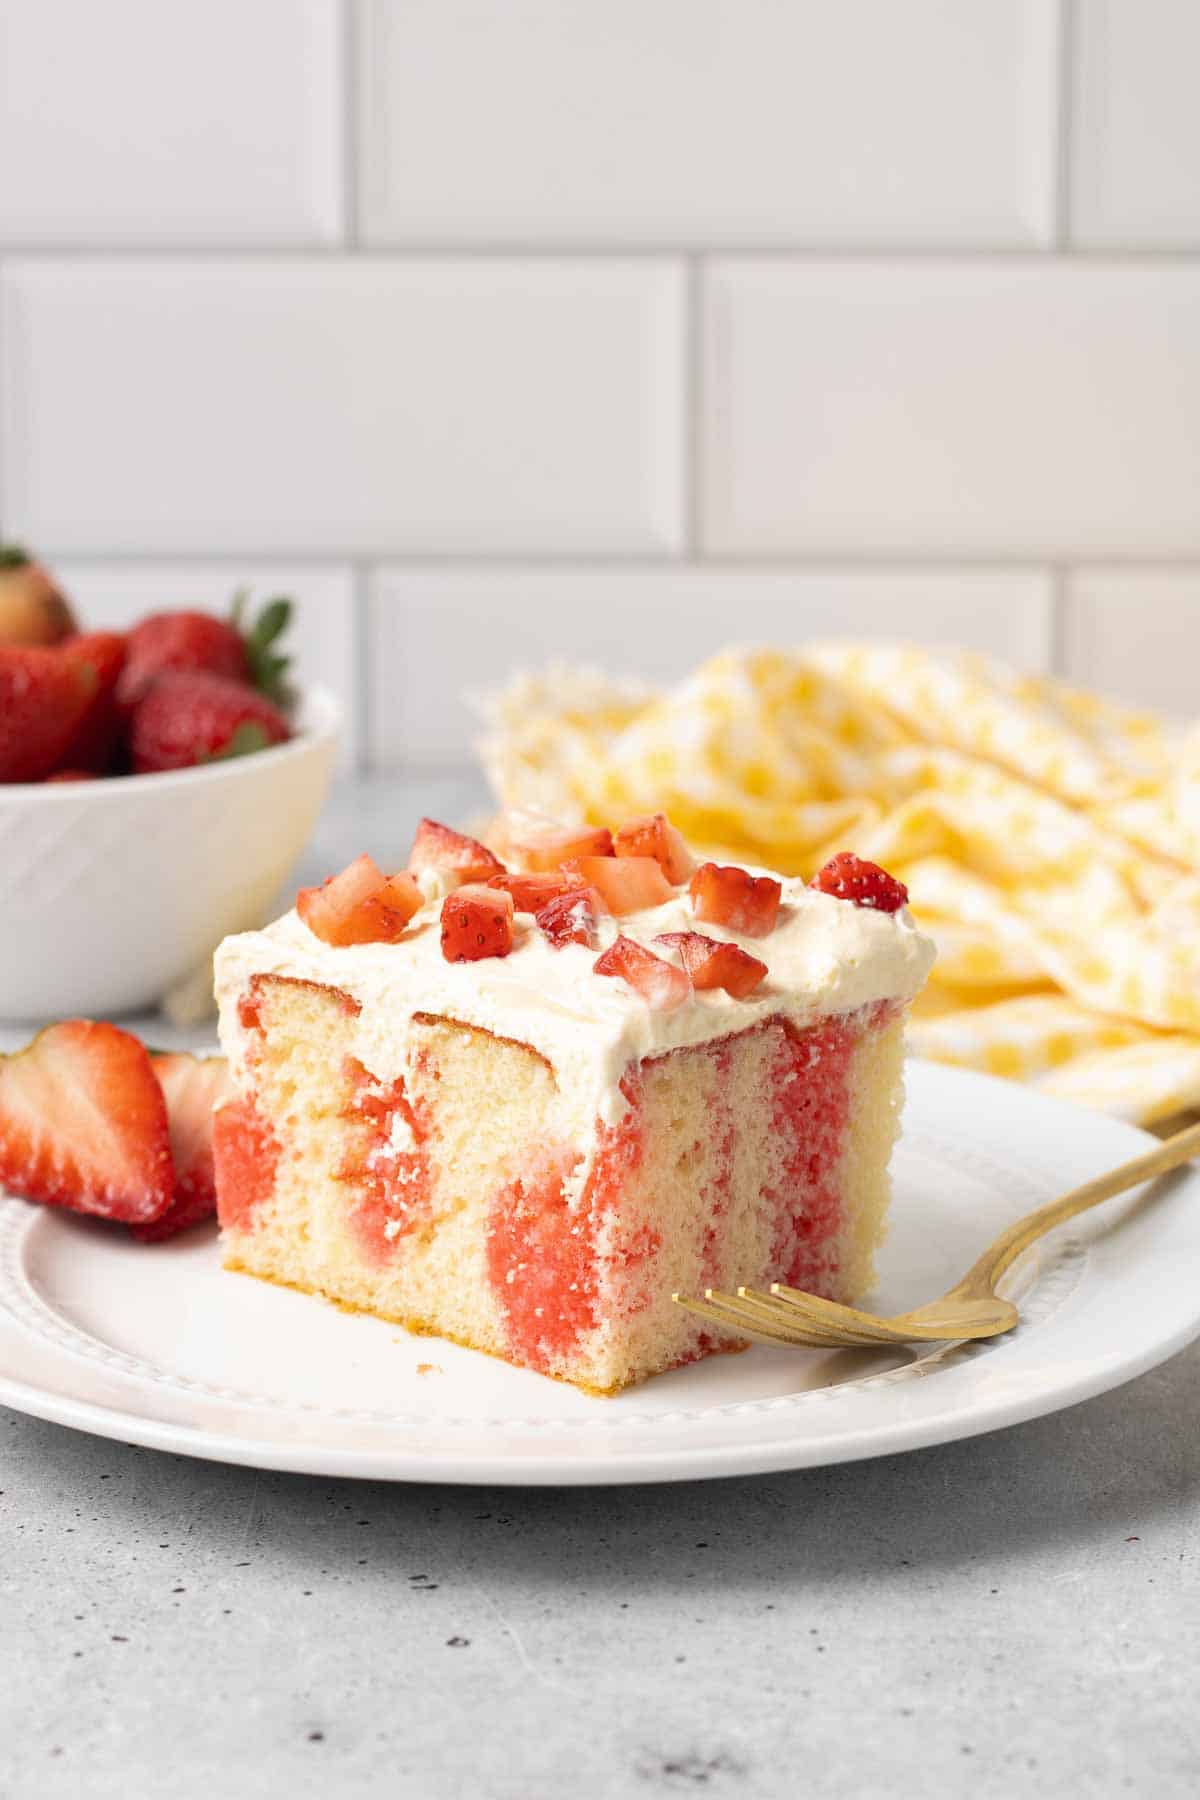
<point x="824" y="956"/>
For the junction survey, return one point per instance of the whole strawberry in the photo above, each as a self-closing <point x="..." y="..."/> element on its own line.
<point x="32" y="609"/>
<point x="199" y="641"/>
<point x="45" y="700"/>
<point x="94" y="739"/>
<point x="191" y="717"/>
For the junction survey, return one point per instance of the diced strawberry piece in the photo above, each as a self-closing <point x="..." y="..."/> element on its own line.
<point x="477" y="921"/>
<point x="192" y="1087"/>
<point x="734" y="898"/>
<point x="437" y="847"/>
<point x="848" y="877"/>
<point x="83" y="1124"/>
<point x="715" y="965"/>
<point x="626" y="884"/>
<point x="531" y="892"/>
<point x="656" y="836"/>
<point x="532" y="841"/>
<point x="661" y="985"/>
<point x="571" y="918"/>
<point x="362" y="905"/>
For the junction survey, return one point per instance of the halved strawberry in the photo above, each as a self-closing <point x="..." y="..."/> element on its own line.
<point x="715" y="965"/>
<point x="733" y="897"/>
<point x="662" y="986"/>
<point x="192" y="1087"/>
<point x="362" y="905"/>
<point x="532" y="841"/>
<point x="570" y="918"/>
<point x="465" y="858"/>
<point x="45" y="698"/>
<point x="848" y="877"/>
<point x="531" y="892"/>
<point x="626" y="884"/>
<point x="94" y="740"/>
<point x="656" y="836"/>
<point x="83" y="1124"/>
<point x="477" y="921"/>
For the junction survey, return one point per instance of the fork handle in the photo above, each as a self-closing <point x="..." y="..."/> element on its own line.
<point x="982" y="1276"/>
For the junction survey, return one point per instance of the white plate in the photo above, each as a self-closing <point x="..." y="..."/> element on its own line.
<point x="160" y="1346"/>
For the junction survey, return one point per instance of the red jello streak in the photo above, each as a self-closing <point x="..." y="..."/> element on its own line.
<point x="391" y="1187"/>
<point x="811" y="1116"/>
<point x="245" y="1157"/>
<point x="542" y="1254"/>
<point x="716" y="1202"/>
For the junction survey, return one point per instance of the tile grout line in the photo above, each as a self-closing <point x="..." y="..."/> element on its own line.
<point x="427" y="251"/>
<point x="350" y="103"/>
<point x="827" y="561"/>
<point x="362" y="696"/>
<point x="1059" y="603"/>
<point x="1064" y="126"/>
<point x="693" y="408"/>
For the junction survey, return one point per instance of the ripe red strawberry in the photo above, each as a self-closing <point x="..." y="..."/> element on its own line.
<point x="626" y="884"/>
<point x="477" y="921"/>
<point x="32" y="609"/>
<point x="736" y="899"/>
<point x="715" y="965"/>
<point x="662" y="986"/>
<point x="570" y="918"/>
<point x="199" y="642"/>
<point x="71" y="775"/>
<point x="465" y="858"/>
<point x="848" y="877"/>
<point x="656" y="836"/>
<point x="95" y="737"/>
<point x="192" y="1087"/>
<point x="45" y="698"/>
<point x="530" y="892"/>
<point x="83" y="1124"/>
<point x="186" y="719"/>
<point x="362" y="905"/>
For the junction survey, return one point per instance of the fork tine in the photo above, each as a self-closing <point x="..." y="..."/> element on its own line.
<point x="722" y="1309"/>
<point x="780" y="1311"/>
<point x="834" y="1317"/>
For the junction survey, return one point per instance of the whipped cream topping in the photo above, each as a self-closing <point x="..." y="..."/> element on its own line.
<point x="824" y="956"/>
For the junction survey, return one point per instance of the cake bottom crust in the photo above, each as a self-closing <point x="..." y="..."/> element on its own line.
<point x="425" y="1328"/>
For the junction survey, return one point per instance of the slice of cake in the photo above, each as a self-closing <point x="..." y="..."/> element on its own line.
<point x="520" y="1103"/>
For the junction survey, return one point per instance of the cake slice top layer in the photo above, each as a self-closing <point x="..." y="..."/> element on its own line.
<point x="822" y="953"/>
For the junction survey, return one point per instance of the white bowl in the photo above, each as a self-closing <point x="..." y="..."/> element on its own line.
<point x="112" y="891"/>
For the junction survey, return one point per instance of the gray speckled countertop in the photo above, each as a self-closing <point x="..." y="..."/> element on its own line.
<point x="1018" y="1614"/>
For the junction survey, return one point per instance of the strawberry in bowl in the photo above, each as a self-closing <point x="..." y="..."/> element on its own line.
<point x="156" y="787"/>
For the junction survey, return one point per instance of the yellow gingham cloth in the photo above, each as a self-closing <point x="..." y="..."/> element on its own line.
<point x="1050" y="839"/>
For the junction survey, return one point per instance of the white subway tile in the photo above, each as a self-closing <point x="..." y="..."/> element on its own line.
<point x="438" y="634"/>
<point x="1019" y="409"/>
<point x="709" y="121"/>
<point x="342" y="406"/>
<point x="1135" y="633"/>
<point x="111" y="596"/>
<point x="1136" y="137"/>
<point x="139" y="122"/>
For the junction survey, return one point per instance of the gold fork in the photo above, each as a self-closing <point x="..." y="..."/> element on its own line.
<point x="971" y="1309"/>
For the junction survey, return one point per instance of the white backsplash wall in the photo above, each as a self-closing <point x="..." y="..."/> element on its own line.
<point x="610" y="330"/>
